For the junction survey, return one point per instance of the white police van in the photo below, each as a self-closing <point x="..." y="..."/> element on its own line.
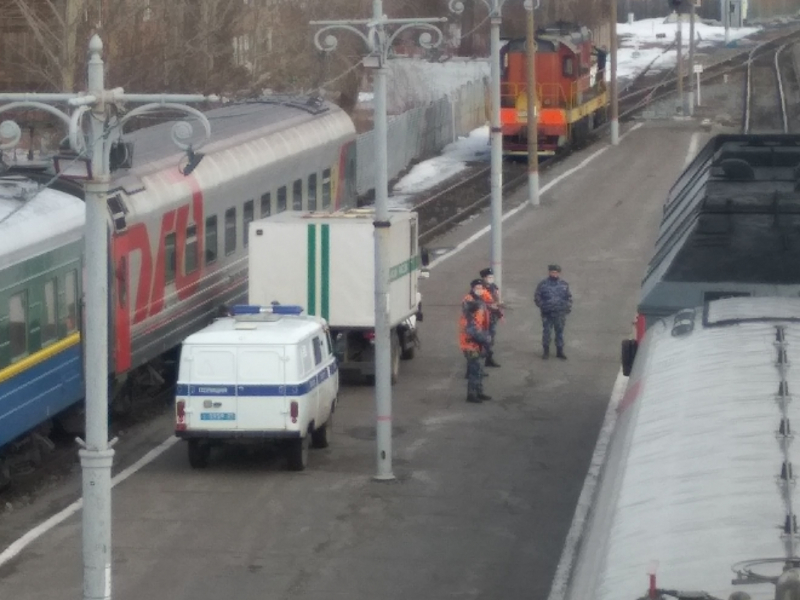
<point x="263" y="373"/>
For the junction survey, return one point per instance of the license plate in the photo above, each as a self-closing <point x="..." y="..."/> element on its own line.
<point x="217" y="416"/>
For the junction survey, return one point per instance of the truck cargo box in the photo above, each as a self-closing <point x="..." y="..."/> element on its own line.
<point x="326" y="263"/>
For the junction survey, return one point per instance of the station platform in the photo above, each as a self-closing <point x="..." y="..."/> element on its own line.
<point x="484" y="494"/>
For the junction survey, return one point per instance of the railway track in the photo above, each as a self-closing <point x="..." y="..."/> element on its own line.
<point x="764" y="97"/>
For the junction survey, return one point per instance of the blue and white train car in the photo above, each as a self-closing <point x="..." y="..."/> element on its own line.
<point x="697" y="492"/>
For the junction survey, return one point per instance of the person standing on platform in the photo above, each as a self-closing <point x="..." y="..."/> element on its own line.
<point x="491" y="297"/>
<point x="555" y="302"/>
<point x="473" y="339"/>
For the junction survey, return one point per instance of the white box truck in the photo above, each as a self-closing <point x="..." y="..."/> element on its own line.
<point x="326" y="263"/>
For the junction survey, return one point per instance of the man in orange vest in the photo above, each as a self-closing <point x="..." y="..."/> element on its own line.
<point x="474" y="338"/>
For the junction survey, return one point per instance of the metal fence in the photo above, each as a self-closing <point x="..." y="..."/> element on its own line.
<point x="422" y="132"/>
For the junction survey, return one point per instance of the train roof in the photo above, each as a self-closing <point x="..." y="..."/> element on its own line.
<point x="692" y="486"/>
<point x="35" y="219"/>
<point x="732" y="216"/>
<point x="549" y="39"/>
<point x="235" y="125"/>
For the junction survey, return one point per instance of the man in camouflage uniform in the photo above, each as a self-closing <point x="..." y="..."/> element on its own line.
<point x="473" y="340"/>
<point x="555" y="302"/>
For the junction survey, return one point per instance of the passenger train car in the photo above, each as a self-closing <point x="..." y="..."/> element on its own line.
<point x="697" y="496"/>
<point x="571" y="93"/>
<point x="178" y="247"/>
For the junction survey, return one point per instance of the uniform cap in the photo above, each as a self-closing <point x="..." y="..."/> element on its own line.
<point x="554" y="268"/>
<point x="476" y="282"/>
<point x="487" y="272"/>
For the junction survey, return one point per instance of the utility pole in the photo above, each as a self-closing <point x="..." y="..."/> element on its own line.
<point x="678" y="44"/>
<point x="495" y="14"/>
<point x="93" y="157"/>
<point x="691" y="56"/>
<point x="725" y="8"/>
<point x="613" y="82"/>
<point x="379" y="41"/>
<point x="533" y="111"/>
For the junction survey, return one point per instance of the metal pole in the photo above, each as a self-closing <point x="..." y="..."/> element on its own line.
<point x="691" y="56"/>
<point x="96" y="457"/>
<point x="379" y="41"/>
<point x="678" y="44"/>
<point x="613" y="82"/>
<point x="497" y="150"/>
<point x="383" y="347"/>
<point x="699" y="97"/>
<point x="533" y="124"/>
<point x="726" y="19"/>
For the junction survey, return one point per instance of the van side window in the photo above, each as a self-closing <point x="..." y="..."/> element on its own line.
<point x="305" y="357"/>
<point x="317" y="351"/>
<point x="328" y="341"/>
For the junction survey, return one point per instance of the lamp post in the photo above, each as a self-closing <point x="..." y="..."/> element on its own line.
<point x="104" y="131"/>
<point x="379" y="42"/>
<point x="495" y="14"/>
<point x="613" y="82"/>
<point x="533" y="122"/>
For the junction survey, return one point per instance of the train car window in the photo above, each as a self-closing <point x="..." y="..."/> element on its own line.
<point x="326" y="189"/>
<point x="170" y="259"/>
<point x="50" y="328"/>
<point x="230" y="231"/>
<point x="568" y="66"/>
<point x="297" y="195"/>
<point x="266" y="205"/>
<point x="247" y="216"/>
<point x="190" y="257"/>
<point x="18" y="325"/>
<point x="312" y="192"/>
<point x="282" y="199"/>
<point x="211" y="240"/>
<point x="71" y="301"/>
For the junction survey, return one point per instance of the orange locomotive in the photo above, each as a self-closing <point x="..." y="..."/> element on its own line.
<point x="571" y="94"/>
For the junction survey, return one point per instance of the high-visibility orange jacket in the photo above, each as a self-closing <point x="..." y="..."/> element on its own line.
<point x="474" y="329"/>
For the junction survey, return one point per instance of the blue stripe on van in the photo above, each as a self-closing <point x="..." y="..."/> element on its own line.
<point x="299" y="389"/>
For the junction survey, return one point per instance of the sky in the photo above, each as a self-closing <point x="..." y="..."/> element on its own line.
<point x="639" y="47"/>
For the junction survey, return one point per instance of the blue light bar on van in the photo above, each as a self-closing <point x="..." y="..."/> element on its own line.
<point x="276" y="309"/>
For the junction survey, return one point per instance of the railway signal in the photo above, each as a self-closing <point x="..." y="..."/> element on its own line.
<point x="92" y="163"/>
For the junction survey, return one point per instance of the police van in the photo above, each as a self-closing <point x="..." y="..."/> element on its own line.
<point x="264" y="373"/>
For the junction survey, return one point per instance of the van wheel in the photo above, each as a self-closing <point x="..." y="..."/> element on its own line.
<point x="199" y="453"/>
<point x="298" y="453"/>
<point x="321" y="437"/>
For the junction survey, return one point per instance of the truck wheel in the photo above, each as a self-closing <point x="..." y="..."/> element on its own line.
<point x="320" y="437"/>
<point x="406" y="353"/>
<point x="298" y="453"/>
<point x="199" y="453"/>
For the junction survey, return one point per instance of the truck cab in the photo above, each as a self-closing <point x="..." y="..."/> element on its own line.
<point x="264" y="373"/>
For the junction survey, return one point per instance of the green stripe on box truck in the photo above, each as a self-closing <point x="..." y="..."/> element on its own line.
<point x="312" y="270"/>
<point x="326" y="272"/>
<point x="404" y="268"/>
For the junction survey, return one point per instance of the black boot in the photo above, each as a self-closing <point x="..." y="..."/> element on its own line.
<point x="473" y="398"/>
<point x="483" y="397"/>
<point x="560" y="353"/>
<point x="545" y="352"/>
<point x="490" y="361"/>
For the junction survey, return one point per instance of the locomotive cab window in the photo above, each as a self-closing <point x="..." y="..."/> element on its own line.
<point x="230" y="231"/>
<point x="282" y="199"/>
<point x="297" y="195"/>
<point x="568" y="66"/>
<point x="326" y="189"/>
<point x="312" y="192"/>
<point x="247" y="217"/>
<point x="211" y="240"/>
<point x="18" y="325"/>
